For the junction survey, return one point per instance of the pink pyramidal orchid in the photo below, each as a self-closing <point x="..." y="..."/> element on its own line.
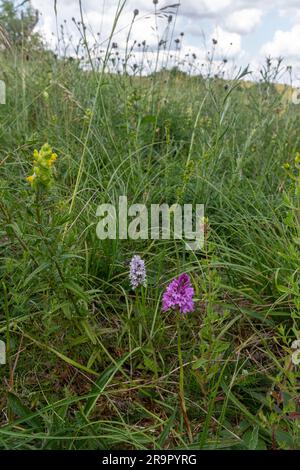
<point x="179" y="295"/>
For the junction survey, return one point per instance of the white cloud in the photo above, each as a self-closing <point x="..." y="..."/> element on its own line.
<point x="284" y="44"/>
<point x="201" y="21"/>
<point x="204" y="8"/>
<point x="228" y="44"/>
<point x="292" y="14"/>
<point x="243" y="21"/>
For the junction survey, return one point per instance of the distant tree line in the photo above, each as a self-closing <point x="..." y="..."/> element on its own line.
<point x="17" y="25"/>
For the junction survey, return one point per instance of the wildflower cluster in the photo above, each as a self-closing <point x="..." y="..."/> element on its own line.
<point x="296" y="353"/>
<point x="137" y="273"/>
<point x="289" y="168"/>
<point x="43" y="161"/>
<point x="179" y="295"/>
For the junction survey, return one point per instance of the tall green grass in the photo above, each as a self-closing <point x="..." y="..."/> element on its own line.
<point x="94" y="365"/>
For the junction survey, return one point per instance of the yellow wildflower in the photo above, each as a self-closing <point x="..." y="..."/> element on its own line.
<point x="42" y="167"/>
<point x="31" y="178"/>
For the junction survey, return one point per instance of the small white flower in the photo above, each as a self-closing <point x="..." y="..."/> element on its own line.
<point x="296" y="357"/>
<point x="296" y="344"/>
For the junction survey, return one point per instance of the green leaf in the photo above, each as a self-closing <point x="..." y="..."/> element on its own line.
<point x="22" y="411"/>
<point x="150" y="364"/>
<point x="149" y="119"/>
<point x="71" y="286"/>
<point x="284" y="439"/>
<point x="251" y="438"/>
<point x="243" y="409"/>
<point x="35" y="273"/>
<point x="103" y="381"/>
<point x="166" y="431"/>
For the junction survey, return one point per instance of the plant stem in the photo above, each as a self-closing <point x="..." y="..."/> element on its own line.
<point x="181" y="383"/>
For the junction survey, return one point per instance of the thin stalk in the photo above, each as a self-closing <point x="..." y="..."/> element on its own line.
<point x="181" y="383"/>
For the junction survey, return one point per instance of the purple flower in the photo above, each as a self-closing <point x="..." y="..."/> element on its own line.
<point x="179" y="294"/>
<point x="137" y="273"/>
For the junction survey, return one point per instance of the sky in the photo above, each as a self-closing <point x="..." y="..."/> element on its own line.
<point x="246" y="31"/>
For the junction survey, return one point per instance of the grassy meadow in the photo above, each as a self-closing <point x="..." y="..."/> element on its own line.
<point x="92" y="363"/>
